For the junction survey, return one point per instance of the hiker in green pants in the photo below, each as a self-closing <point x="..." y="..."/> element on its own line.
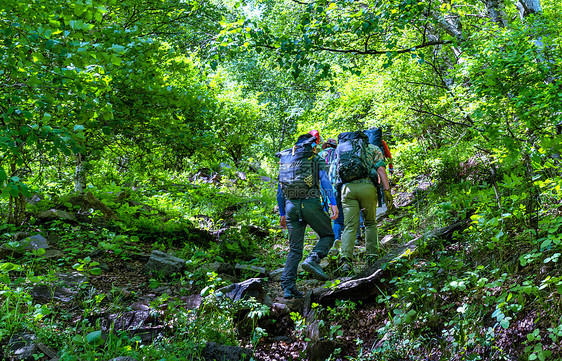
<point x="359" y="163"/>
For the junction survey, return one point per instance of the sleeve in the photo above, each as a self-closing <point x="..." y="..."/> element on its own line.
<point x="387" y="153"/>
<point x="327" y="186"/>
<point x="280" y="200"/>
<point x="377" y="157"/>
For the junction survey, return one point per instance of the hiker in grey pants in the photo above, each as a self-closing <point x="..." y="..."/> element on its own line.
<point x="299" y="209"/>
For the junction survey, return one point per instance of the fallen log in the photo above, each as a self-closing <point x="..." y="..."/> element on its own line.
<point x="368" y="283"/>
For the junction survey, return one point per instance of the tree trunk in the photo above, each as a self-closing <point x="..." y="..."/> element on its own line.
<point x="528" y="7"/>
<point x="16" y="205"/>
<point x="495" y="10"/>
<point x="80" y="173"/>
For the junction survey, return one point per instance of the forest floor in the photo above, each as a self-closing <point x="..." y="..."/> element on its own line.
<point x="124" y="296"/>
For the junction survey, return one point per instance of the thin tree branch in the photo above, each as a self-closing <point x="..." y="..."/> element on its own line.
<point x="301" y="2"/>
<point x="432" y="85"/>
<point x="368" y="52"/>
<point x="440" y="117"/>
<point x="379" y="52"/>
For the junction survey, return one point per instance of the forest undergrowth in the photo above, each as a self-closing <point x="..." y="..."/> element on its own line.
<point x="491" y="292"/>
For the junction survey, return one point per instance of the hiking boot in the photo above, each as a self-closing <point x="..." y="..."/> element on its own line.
<point x="290" y="293"/>
<point x="311" y="266"/>
<point x="346" y="267"/>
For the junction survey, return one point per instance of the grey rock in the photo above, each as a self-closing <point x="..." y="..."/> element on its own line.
<point x="192" y="302"/>
<point x="164" y="263"/>
<point x="222" y="267"/>
<point x="242" y="176"/>
<point x="246" y="289"/>
<point x="52" y="254"/>
<point x="18" y="236"/>
<point x="139" y="306"/>
<point x="22" y="245"/>
<point x="311" y="283"/>
<point x="250" y="269"/>
<point x="275" y="275"/>
<point x="316" y="331"/>
<point x="34" y="243"/>
<point x="213" y="351"/>
<point x="22" y="346"/>
<point x="279" y="309"/>
<point x="64" y="289"/>
<point x="5" y="251"/>
<point x="267" y="300"/>
<point x="320" y="350"/>
<point x="57" y="214"/>
<point x="293" y="305"/>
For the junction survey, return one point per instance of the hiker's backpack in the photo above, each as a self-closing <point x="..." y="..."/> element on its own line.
<point x="375" y="137"/>
<point x="298" y="170"/>
<point x="351" y="155"/>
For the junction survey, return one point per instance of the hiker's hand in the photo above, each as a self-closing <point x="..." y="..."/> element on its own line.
<point x="335" y="212"/>
<point x="389" y="200"/>
<point x="283" y="222"/>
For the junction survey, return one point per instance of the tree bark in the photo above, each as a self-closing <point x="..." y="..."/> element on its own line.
<point x="16" y="205"/>
<point x="528" y="7"/>
<point x="80" y="173"/>
<point x="495" y="10"/>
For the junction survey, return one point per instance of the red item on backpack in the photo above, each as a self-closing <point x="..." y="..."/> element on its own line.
<point x="316" y="135"/>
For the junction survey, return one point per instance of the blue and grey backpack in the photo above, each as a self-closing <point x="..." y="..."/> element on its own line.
<point x="298" y="170"/>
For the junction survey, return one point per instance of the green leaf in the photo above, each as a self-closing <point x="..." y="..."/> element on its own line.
<point x="118" y="49"/>
<point x="96" y="271"/>
<point x="9" y="266"/>
<point x="94" y="337"/>
<point x="78" y="340"/>
<point x="115" y="60"/>
<point x="14" y="191"/>
<point x="546" y="243"/>
<point x="505" y="322"/>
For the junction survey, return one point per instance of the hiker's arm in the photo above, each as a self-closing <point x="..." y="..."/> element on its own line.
<point x="381" y="171"/>
<point x="280" y="201"/>
<point x="281" y="205"/>
<point x="327" y="186"/>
